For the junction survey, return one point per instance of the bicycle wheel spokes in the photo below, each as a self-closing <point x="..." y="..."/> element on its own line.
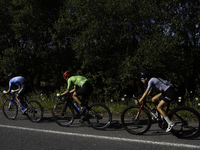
<point x="63" y="116"/>
<point x="10" y="109"/>
<point x="99" y="116"/>
<point x="133" y="124"/>
<point x="187" y="122"/>
<point x="35" y="111"/>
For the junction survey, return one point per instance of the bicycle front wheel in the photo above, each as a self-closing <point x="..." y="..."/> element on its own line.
<point x="187" y="122"/>
<point x="63" y="114"/>
<point x="99" y="116"/>
<point x="10" y="109"/>
<point x="134" y="123"/>
<point x="35" y="111"/>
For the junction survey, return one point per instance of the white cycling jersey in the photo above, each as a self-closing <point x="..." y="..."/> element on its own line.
<point x="158" y="84"/>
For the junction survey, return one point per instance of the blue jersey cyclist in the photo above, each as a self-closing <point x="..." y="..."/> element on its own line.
<point x="85" y="88"/>
<point x="166" y="96"/>
<point x="23" y="88"/>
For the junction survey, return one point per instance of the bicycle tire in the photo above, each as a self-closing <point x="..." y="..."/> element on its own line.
<point x="34" y="111"/>
<point x="189" y="126"/>
<point x="64" y="119"/>
<point x="99" y="116"/>
<point x="11" y="111"/>
<point x="139" y="126"/>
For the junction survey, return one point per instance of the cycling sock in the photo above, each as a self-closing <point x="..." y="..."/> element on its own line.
<point x="168" y="120"/>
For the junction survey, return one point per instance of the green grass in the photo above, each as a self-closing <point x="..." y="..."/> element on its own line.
<point x="48" y="101"/>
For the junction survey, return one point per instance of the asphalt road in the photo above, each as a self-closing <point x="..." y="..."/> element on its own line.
<point x="22" y="134"/>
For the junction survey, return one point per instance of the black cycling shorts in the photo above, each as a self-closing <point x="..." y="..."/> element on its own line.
<point x="86" y="90"/>
<point x="23" y="90"/>
<point x="169" y="95"/>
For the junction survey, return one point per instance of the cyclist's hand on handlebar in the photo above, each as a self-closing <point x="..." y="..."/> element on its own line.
<point x="4" y="92"/>
<point x="137" y="102"/>
<point x="58" y="96"/>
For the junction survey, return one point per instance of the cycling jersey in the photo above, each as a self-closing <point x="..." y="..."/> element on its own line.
<point x="163" y="85"/>
<point x="158" y="84"/>
<point x="76" y="80"/>
<point x="22" y="83"/>
<point x="18" y="81"/>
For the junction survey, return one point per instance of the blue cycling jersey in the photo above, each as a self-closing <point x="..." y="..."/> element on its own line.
<point x="17" y="81"/>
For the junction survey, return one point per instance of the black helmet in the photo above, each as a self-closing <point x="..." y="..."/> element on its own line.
<point x="145" y="74"/>
<point x="11" y="75"/>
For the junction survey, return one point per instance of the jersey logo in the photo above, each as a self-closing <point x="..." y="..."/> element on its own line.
<point x="167" y="98"/>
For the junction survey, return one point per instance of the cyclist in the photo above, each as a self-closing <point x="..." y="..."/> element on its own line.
<point x="85" y="89"/>
<point x="23" y="88"/>
<point x="166" y="96"/>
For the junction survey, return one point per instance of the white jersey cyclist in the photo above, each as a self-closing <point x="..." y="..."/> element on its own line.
<point x="164" y="86"/>
<point x="158" y="84"/>
<point x="166" y="95"/>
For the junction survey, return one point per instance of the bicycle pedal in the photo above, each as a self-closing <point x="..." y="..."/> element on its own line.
<point x="154" y="119"/>
<point x="81" y="121"/>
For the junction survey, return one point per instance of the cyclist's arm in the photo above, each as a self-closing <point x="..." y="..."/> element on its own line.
<point x="67" y="91"/>
<point x="146" y="93"/>
<point x="7" y="91"/>
<point x="73" y="90"/>
<point x="16" y="90"/>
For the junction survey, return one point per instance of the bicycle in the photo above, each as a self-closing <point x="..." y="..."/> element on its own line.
<point x="136" y="119"/>
<point x="97" y="115"/>
<point x="34" y="109"/>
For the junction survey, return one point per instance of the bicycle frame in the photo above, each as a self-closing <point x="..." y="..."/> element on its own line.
<point x="69" y="102"/>
<point x="144" y="104"/>
<point x="14" y="99"/>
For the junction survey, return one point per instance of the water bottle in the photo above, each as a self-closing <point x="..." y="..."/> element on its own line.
<point x="76" y="106"/>
<point x="154" y="113"/>
<point x="153" y="109"/>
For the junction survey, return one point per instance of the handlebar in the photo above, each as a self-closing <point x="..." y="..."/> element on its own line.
<point x="61" y="98"/>
<point x="13" y="94"/>
<point x="136" y="98"/>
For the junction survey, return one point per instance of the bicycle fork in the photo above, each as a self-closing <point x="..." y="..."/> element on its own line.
<point x="10" y="105"/>
<point x="137" y="116"/>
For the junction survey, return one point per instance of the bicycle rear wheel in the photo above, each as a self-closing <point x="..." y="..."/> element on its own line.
<point x="35" y="111"/>
<point x="135" y="126"/>
<point x="10" y="109"/>
<point x="98" y="116"/>
<point x="187" y="122"/>
<point x="63" y="116"/>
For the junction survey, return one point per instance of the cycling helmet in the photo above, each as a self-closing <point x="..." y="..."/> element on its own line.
<point x="67" y="74"/>
<point x="11" y="75"/>
<point x="145" y="74"/>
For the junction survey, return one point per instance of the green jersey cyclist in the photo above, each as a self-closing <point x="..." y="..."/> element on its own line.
<point x="85" y="88"/>
<point x="166" y="96"/>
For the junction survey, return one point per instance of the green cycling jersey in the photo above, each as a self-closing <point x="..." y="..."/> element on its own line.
<point x="77" y="81"/>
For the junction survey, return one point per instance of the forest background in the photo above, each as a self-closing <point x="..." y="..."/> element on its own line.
<point x="108" y="41"/>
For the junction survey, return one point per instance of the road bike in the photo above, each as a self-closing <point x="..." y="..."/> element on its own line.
<point x="97" y="115"/>
<point x="34" y="109"/>
<point x="136" y="119"/>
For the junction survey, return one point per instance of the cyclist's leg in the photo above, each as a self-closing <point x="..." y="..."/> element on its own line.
<point x="160" y="107"/>
<point x="168" y="96"/>
<point x="20" y="95"/>
<point x="156" y="98"/>
<point x="75" y="97"/>
<point x="85" y="92"/>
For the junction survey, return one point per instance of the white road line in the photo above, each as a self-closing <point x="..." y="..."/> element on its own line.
<point x="103" y="137"/>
